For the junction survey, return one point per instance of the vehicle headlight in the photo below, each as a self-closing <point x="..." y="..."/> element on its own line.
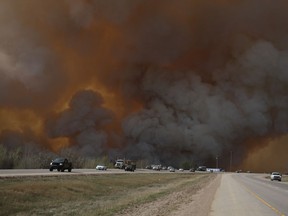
<point x="51" y="163"/>
<point x="61" y="164"/>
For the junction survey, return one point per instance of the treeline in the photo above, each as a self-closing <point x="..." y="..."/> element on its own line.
<point x="32" y="157"/>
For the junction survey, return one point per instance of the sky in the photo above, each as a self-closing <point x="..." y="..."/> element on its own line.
<point x="163" y="81"/>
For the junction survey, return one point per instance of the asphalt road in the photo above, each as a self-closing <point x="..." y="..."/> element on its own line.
<point x="4" y="173"/>
<point x="250" y="194"/>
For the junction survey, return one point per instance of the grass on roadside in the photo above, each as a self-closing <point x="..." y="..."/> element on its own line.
<point x="87" y="194"/>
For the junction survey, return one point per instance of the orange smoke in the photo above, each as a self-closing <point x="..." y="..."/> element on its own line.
<point x="270" y="157"/>
<point x="20" y="119"/>
<point x="185" y="77"/>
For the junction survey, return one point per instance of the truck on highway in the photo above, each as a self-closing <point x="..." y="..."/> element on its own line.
<point x="120" y="164"/>
<point x="127" y="165"/>
<point x="60" y="164"/>
<point x="130" y="165"/>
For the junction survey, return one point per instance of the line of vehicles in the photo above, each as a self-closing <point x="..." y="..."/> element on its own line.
<point x="62" y="164"/>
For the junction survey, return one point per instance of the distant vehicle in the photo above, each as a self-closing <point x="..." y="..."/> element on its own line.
<point x="127" y="165"/>
<point x="276" y="176"/>
<point x="192" y="170"/>
<point x="156" y="167"/>
<point x="120" y="164"/>
<point x="129" y="168"/>
<point x="213" y="170"/>
<point x="202" y="168"/>
<point x="101" y="167"/>
<point x="60" y="164"/>
<point x="181" y="169"/>
<point x="130" y="165"/>
<point x="171" y="169"/>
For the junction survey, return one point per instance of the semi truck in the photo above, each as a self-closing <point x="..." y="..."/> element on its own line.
<point x="127" y="165"/>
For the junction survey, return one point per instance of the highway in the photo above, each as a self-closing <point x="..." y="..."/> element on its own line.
<point x="238" y="193"/>
<point x="4" y="173"/>
<point x="250" y="194"/>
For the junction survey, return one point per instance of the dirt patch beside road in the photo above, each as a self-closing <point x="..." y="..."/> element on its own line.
<point x="191" y="199"/>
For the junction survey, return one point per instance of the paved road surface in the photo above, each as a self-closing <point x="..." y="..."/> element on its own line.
<point x="250" y="194"/>
<point x="45" y="172"/>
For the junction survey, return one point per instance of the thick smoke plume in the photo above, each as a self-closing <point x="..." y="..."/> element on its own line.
<point x="166" y="81"/>
<point x="82" y="123"/>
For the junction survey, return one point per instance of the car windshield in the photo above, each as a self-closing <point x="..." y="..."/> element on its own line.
<point x="59" y="160"/>
<point x="275" y="173"/>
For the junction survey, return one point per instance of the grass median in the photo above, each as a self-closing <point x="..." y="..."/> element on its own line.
<point x="88" y="194"/>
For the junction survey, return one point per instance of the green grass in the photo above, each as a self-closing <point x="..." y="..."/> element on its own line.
<point x="87" y="194"/>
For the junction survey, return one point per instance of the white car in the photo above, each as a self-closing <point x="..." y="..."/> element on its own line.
<point x="171" y="169"/>
<point x="101" y="167"/>
<point x="276" y="176"/>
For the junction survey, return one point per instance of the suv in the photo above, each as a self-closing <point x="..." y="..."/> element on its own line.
<point x="60" y="164"/>
<point x="276" y="176"/>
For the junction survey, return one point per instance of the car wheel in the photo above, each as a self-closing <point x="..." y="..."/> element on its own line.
<point x="62" y="170"/>
<point x="69" y="170"/>
<point x="51" y="169"/>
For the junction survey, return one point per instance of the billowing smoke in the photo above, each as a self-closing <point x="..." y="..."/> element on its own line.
<point x="186" y="116"/>
<point x="83" y="123"/>
<point x="166" y="81"/>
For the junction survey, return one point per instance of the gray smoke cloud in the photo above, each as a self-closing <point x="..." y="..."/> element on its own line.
<point x="28" y="69"/>
<point x="185" y="116"/>
<point x="83" y="123"/>
<point x="181" y="80"/>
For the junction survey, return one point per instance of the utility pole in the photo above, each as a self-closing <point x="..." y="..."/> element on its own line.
<point x="231" y="155"/>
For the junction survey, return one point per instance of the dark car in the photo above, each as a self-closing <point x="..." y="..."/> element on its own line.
<point x="130" y="167"/>
<point x="60" y="164"/>
<point x="202" y="168"/>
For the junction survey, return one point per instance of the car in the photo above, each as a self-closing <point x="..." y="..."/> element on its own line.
<point x="60" y="164"/>
<point x="172" y="169"/>
<point x="192" y="170"/>
<point x="101" y="167"/>
<point x="202" y="168"/>
<point x="276" y="176"/>
<point x="156" y="167"/>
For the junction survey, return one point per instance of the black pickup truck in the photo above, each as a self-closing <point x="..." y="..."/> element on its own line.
<point x="60" y="164"/>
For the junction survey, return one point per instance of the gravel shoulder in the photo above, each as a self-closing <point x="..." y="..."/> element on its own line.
<point x="191" y="199"/>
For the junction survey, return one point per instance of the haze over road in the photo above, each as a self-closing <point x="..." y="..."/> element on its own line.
<point x="250" y="194"/>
